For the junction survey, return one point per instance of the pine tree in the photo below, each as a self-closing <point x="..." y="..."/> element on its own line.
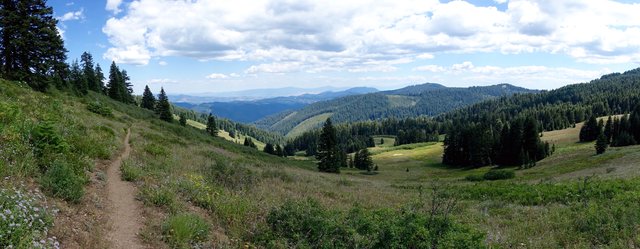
<point x="89" y="72"/>
<point x="77" y="79"/>
<point x="590" y="130"/>
<point x="114" y="86"/>
<point x="32" y="49"/>
<point x="363" y="160"/>
<point x="148" y="100"/>
<point x="608" y="129"/>
<point x="279" y="151"/>
<point x="100" y="79"/>
<point x="327" y="153"/>
<point x="164" y="108"/>
<point x="268" y="148"/>
<point x="183" y="119"/>
<point x="127" y="87"/>
<point x="212" y="128"/>
<point x="601" y="144"/>
<point x="232" y="133"/>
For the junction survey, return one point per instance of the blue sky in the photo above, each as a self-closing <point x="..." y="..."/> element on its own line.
<point x="220" y="46"/>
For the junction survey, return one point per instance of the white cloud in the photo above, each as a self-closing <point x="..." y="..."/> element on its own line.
<point x="538" y="77"/>
<point x="313" y="36"/>
<point x="430" y="68"/>
<point x="161" y="81"/>
<point x="72" y="16"/>
<point x="114" y="6"/>
<point x="217" y="76"/>
<point x="163" y="63"/>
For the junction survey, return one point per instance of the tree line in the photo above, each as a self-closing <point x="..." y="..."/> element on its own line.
<point x="352" y="137"/>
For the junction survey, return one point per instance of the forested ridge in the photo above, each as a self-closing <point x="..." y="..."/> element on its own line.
<point x="505" y="130"/>
<point x="412" y="101"/>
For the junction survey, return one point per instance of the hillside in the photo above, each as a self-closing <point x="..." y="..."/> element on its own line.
<point x="428" y="99"/>
<point x="560" y="108"/>
<point x="219" y="194"/>
<point x="250" y="111"/>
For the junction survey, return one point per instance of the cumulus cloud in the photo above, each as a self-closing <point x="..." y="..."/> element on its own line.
<point x="312" y="36"/>
<point x="540" y="77"/>
<point x="72" y="16"/>
<point x="114" y="6"/>
<point x="217" y="76"/>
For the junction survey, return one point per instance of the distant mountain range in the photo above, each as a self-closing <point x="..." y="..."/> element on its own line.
<point x="251" y="95"/>
<point x="249" y="111"/>
<point x="426" y="99"/>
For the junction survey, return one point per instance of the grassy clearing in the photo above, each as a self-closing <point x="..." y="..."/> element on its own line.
<point x="308" y="124"/>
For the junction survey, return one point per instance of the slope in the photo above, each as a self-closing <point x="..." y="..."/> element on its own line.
<point x="428" y="99"/>
<point x="250" y="111"/>
<point x="204" y="192"/>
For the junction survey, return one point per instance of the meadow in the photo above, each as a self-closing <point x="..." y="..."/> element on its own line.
<point x="202" y="191"/>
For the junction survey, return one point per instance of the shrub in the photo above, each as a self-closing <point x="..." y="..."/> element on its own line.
<point x="306" y="224"/>
<point x="474" y="178"/>
<point x="160" y="196"/>
<point x="24" y="220"/>
<point x="130" y="172"/>
<point x="184" y="230"/>
<point x="46" y="140"/>
<point x="98" y="108"/>
<point x="62" y="182"/>
<point x="499" y="174"/>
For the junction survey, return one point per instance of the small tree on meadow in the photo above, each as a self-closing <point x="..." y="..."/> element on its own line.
<point x="268" y="148"/>
<point x="212" y="128"/>
<point x="327" y="154"/>
<point x="148" y="100"/>
<point x="164" y="108"/>
<point x="601" y="144"/>
<point x="183" y="119"/>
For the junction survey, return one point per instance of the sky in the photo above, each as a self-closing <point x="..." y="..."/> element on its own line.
<point x="200" y="46"/>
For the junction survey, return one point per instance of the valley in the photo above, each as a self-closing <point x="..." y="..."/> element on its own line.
<point x="275" y="148"/>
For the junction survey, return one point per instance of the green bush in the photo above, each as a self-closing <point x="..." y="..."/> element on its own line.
<point x="61" y="181"/>
<point x="185" y="230"/>
<point x="160" y="196"/>
<point x="98" y="108"/>
<point x="474" y="178"/>
<point x="306" y="224"/>
<point x="46" y="140"/>
<point x="130" y="171"/>
<point x="499" y="174"/>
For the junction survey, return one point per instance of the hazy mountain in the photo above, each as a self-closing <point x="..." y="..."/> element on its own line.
<point x="250" y="95"/>
<point x="250" y="111"/>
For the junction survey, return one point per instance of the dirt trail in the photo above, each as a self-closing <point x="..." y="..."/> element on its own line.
<point x="125" y="217"/>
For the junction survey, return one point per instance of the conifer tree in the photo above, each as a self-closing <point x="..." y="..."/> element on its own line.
<point x="89" y="72"/>
<point x="608" y="129"/>
<point x="100" y="79"/>
<point x="77" y="79"/>
<point x="601" y="144"/>
<point x="590" y="130"/>
<point x="31" y="48"/>
<point x="183" y="119"/>
<point x="363" y="160"/>
<point x="164" y="108"/>
<point x="148" y="100"/>
<point x="212" y="128"/>
<point x="268" y="148"/>
<point x="279" y="151"/>
<point x="114" y="86"/>
<point x="327" y="153"/>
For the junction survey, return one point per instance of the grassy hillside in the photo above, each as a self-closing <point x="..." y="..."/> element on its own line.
<point x="200" y="191"/>
<point x="428" y="99"/>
